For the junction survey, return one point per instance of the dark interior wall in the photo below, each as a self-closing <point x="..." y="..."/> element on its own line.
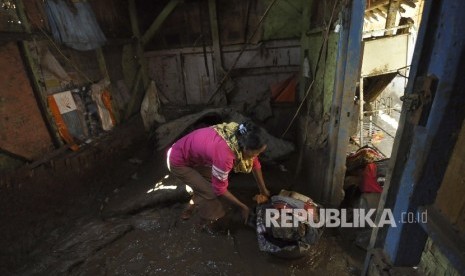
<point x="186" y="76"/>
<point x="189" y="24"/>
<point x="24" y="136"/>
<point x="450" y="204"/>
<point x="274" y="55"/>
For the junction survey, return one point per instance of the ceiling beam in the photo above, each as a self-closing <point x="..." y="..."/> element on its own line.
<point x="159" y="21"/>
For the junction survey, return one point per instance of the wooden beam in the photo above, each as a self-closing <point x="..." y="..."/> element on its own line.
<point x="376" y="4"/>
<point x="133" y="19"/>
<point x="409" y="3"/>
<point x="215" y="36"/>
<point x="134" y="94"/>
<point x="34" y="78"/>
<point x="104" y="70"/>
<point x="373" y="15"/>
<point x="380" y="12"/>
<point x="342" y="111"/>
<point x="101" y="63"/>
<point x="142" y="73"/>
<point x="159" y="21"/>
<point x="392" y="15"/>
<point x="14" y="155"/>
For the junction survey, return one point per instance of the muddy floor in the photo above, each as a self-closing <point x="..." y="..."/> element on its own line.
<point x="133" y="228"/>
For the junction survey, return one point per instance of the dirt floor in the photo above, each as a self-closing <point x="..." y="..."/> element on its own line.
<point x="131" y="226"/>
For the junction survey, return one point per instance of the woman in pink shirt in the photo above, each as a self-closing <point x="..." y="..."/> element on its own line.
<point x="203" y="159"/>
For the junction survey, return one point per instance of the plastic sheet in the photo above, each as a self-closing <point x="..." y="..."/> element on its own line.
<point x="77" y="29"/>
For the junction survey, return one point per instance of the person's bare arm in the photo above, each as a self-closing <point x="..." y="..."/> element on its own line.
<point x="244" y="209"/>
<point x="257" y="173"/>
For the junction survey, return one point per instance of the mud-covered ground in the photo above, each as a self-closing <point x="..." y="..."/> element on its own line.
<point x="132" y="227"/>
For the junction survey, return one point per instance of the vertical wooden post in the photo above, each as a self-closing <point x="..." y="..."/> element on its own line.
<point x="104" y="70"/>
<point x="215" y="36"/>
<point x="141" y="41"/>
<point x="394" y="6"/>
<point x="139" y="47"/>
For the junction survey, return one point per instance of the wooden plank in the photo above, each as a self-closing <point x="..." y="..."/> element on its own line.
<point x="14" y="155"/>
<point x="134" y="94"/>
<point x="215" y="36"/>
<point x="148" y="35"/>
<point x="409" y="3"/>
<point x="142" y="72"/>
<point x="392" y="15"/>
<point x="347" y="76"/>
<point x="165" y="70"/>
<point x="104" y="70"/>
<point x="197" y="83"/>
<point x="101" y="63"/>
<point x="133" y="19"/>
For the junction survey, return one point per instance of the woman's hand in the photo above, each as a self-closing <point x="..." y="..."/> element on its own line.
<point x="260" y="198"/>
<point x="265" y="192"/>
<point x="257" y="173"/>
<point x="244" y="209"/>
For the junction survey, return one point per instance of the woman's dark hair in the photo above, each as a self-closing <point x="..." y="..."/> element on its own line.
<point x="249" y="136"/>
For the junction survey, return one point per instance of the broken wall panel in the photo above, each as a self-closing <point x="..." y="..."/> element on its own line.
<point x="22" y="130"/>
<point x="251" y="88"/>
<point x="186" y="76"/>
<point x="199" y="78"/>
<point x="271" y="54"/>
<point x="166" y="71"/>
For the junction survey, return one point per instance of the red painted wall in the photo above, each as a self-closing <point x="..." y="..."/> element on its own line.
<point x="22" y="130"/>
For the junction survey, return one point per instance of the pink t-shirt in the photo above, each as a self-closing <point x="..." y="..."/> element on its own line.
<point x="204" y="147"/>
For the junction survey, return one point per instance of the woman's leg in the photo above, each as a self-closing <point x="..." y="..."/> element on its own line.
<point x="210" y="207"/>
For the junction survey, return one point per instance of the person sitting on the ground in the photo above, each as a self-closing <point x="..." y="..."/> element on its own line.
<point x="203" y="159"/>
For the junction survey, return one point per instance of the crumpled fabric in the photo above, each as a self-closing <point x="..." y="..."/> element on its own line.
<point x="276" y="240"/>
<point x="78" y="30"/>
